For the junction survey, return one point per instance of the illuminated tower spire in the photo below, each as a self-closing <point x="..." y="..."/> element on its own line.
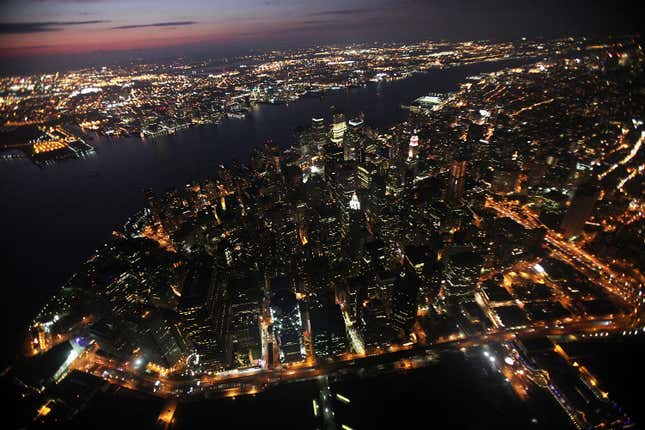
<point x="354" y="203"/>
<point x="413" y="148"/>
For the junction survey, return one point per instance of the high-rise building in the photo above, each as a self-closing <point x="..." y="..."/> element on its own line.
<point x="287" y="321"/>
<point x="404" y="301"/>
<point x="312" y="153"/>
<point x="375" y="324"/>
<point x="328" y="330"/>
<point x="394" y="149"/>
<point x="244" y="328"/>
<point x="328" y="230"/>
<point x="339" y="127"/>
<point x="307" y="146"/>
<point x="319" y="132"/>
<point x="394" y="180"/>
<point x="462" y="268"/>
<point x="457" y="179"/>
<point x="354" y="141"/>
<point x="168" y="338"/>
<point x="354" y="203"/>
<point x="413" y="148"/>
<point x="505" y="181"/>
<point x="458" y="167"/>
<point x="580" y="209"/>
<point x="357" y="232"/>
<point x="365" y="172"/>
<point x="200" y="305"/>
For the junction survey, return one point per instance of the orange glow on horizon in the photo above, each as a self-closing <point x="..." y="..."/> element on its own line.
<point x="82" y="41"/>
<point x="87" y="43"/>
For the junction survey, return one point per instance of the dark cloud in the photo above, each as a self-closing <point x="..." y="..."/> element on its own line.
<point x="20" y="48"/>
<point x="156" y="24"/>
<point x="39" y="27"/>
<point x="345" y="12"/>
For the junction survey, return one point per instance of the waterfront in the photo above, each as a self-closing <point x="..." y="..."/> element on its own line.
<point x="432" y="394"/>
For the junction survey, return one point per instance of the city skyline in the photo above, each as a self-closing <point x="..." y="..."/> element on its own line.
<point x="322" y="215"/>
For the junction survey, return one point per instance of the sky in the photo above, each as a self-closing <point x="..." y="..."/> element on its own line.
<point x="56" y="28"/>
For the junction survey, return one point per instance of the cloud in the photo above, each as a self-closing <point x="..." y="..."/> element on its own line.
<point x="39" y="27"/>
<point x="20" y="48"/>
<point x="156" y="24"/>
<point x="345" y="12"/>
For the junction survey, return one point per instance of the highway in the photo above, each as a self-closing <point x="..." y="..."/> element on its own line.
<point x="626" y="286"/>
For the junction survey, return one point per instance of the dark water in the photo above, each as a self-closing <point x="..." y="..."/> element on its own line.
<point x="617" y="363"/>
<point x="287" y="406"/>
<point x="53" y="218"/>
<point x="459" y="392"/>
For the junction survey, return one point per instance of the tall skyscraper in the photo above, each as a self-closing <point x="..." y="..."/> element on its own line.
<point x="458" y="167"/>
<point x="338" y="128"/>
<point x="413" y="148"/>
<point x="287" y="321"/>
<point x="356" y="228"/>
<point x="244" y="330"/>
<point x="580" y="209"/>
<point x="404" y="301"/>
<point x="353" y="141"/>
<point x="354" y="203"/>
<point x="328" y="328"/>
<point x="201" y="308"/>
<point x="457" y="179"/>
<point x="365" y="172"/>
<point x="319" y="132"/>
<point x="319" y="137"/>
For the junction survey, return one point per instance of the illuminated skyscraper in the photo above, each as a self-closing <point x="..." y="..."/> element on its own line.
<point x="457" y="179"/>
<point x="354" y="203"/>
<point x="365" y="173"/>
<point x="458" y="168"/>
<point x="413" y="148"/>
<point x="356" y="228"/>
<point x="319" y="132"/>
<point x="200" y="308"/>
<point x="319" y="135"/>
<point x="338" y="128"/>
<point x="354" y="140"/>
<point x="287" y="321"/>
<point x="374" y="323"/>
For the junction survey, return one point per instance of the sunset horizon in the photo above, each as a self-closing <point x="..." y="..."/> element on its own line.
<point x="35" y="28"/>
